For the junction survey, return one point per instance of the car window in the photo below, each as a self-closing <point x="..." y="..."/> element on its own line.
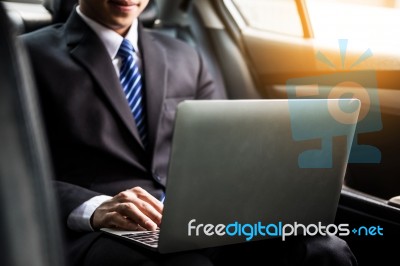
<point x="371" y="20"/>
<point x="279" y="16"/>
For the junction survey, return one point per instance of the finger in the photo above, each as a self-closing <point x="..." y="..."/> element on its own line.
<point x="131" y="211"/>
<point x="147" y="197"/>
<point x="144" y="201"/>
<point x="137" y="192"/>
<point x="148" y="210"/>
<point x="116" y="220"/>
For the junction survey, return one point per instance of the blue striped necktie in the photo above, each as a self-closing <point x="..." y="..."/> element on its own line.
<point x="131" y="82"/>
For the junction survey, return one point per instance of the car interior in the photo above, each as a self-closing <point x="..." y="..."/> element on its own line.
<point x="246" y="63"/>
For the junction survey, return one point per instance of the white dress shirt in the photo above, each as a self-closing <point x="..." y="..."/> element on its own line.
<point x="79" y="218"/>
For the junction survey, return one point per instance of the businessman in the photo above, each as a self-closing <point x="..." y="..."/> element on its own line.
<point x="109" y="91"/>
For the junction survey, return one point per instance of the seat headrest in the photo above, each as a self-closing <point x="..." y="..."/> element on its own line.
<point x="150" y="14"/>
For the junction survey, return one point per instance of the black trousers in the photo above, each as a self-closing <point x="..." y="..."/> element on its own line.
<point x="98" y="249"/>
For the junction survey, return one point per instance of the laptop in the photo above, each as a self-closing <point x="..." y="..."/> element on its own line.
<point x="241" y="170"/>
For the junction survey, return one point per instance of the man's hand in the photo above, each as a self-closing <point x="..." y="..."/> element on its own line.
<point x="132" y="209"/>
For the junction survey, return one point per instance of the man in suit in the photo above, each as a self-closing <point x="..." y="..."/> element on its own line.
<point x="108" y="174"/>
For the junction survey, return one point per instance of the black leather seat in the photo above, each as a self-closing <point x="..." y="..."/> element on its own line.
<point x="27" y="16"/>
<point x="28" y="218"/>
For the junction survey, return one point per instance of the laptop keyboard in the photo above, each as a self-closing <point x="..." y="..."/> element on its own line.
<point x="149" y="238"/>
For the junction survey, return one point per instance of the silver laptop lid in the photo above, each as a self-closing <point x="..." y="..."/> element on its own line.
<point x="247" y="163"/>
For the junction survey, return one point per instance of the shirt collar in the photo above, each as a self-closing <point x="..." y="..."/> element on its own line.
<point x="112" y="40"/>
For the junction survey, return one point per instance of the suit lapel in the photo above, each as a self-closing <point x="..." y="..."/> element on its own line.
<point x="89" y="51"/>
<point x="155" y="77"/>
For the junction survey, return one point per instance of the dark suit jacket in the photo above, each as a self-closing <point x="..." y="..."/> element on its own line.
<point x="93" y="140"/>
